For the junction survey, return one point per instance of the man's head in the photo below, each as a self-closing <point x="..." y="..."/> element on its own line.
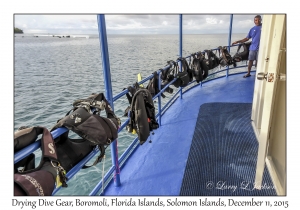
<point x="257" y="20"/>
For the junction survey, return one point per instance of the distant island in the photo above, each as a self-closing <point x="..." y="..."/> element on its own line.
<point x="18" y="31"/>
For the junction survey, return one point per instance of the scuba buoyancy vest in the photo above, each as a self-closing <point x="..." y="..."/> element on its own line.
<point x="241" y="56"/>
<point x="166" y="77"/>
<point x="199" y="67"/>
<point x="165" y="74"/>
<point x="23" y="137"/>
<point x="212" y="59"/>
<point x="141" y="112"/>
<point x="184" y="77"/>
<point x="225" y="57"/>
<point x="71" y="151"/>
<point x="154" y="83"/>
<point x="39" y="181"/>
<point x="85" y="120"/>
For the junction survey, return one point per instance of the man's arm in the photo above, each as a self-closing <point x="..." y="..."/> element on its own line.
<point x="240" y="41"/>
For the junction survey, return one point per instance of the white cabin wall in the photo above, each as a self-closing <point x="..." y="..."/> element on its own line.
<point x="277" y="142"/>
<point x="269" y="103"/>
<point x="262" y="66"/>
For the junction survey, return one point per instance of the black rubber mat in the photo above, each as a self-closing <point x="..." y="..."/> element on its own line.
<point x="223" y="154"/>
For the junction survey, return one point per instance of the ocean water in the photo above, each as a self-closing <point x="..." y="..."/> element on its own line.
<point x="51" y="72"/>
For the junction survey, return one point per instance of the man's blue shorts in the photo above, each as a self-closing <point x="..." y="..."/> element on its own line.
<point x="253" y="55"/>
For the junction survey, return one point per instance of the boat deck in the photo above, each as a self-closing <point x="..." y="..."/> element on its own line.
<point x="157" y="168"/>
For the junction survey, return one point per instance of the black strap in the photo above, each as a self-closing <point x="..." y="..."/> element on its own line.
<point x="99" y="158"/>
<point x="132" y="91"/>
<point x="129" y="98"/>
<point x="239" y="47"/>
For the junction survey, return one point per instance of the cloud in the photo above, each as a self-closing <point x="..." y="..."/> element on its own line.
<point x="165" y="23"/>
<point x="211" y="20"/>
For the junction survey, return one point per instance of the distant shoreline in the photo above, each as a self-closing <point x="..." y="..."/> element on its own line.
<point x="18" y="31"/>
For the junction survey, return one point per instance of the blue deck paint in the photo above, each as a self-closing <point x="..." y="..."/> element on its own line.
<point x="157" y="168"/>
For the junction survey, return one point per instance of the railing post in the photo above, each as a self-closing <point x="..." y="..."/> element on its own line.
<point x="108" y="88"/>
<point x="180" y="46"/>
<point x="229" y="39"/>
<point x="159" y="99"/>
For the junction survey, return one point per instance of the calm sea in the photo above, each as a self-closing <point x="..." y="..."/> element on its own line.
<point x="51" y="72"/>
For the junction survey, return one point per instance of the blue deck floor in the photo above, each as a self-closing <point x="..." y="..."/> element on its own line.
<point x="157" y="168"/>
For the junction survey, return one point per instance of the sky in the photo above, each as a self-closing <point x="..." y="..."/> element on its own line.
<point x="133" y="23"/>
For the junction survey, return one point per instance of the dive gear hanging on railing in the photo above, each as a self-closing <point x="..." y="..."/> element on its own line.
<point x="212" y="59"/>
<point x="199" y="67"/>
<point x="153" y="86"/>
<point x="241" y="56"/>
<point x="185" y="76"/>
<point x="141" y="112"/>
<point x="169" y="74"/>
<point x="39" y="181"/>
<point x="225" y="57"/>
<point x="23" y="137"/>
<point x="166" y="77"/>
<point x="71" y="151"/>
<point x="85" y="120"/>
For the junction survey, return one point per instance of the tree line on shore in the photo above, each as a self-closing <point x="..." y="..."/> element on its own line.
<point x="18" y="31"/>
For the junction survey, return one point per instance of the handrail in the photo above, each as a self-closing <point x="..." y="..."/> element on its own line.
<point x="59" y="131"/>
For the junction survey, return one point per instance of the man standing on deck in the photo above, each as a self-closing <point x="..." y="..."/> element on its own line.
<point x="253" y="34"/>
